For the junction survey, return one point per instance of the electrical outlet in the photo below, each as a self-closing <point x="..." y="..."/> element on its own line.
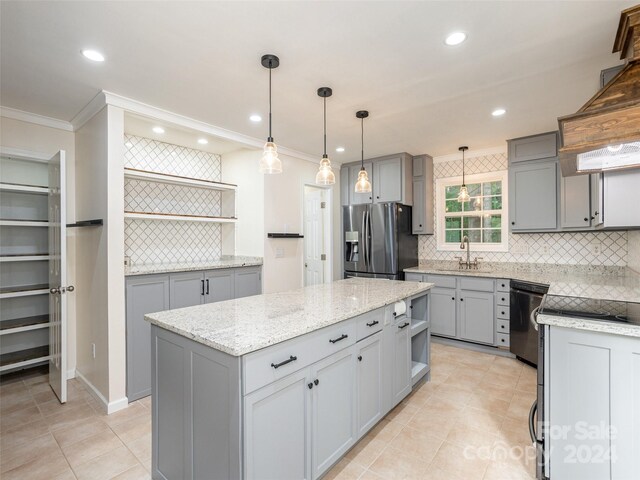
<point x="520" y="249"/>
<point x="127" y="261"/>
<point x="595" y="248"/>
<point x="93" y="350"/>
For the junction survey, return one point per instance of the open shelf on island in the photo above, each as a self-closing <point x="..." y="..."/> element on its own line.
<point x="24" y="324"/>
<point x="24" y="290"/>
<point x="18" y="188"/>
<point x="418" y="326"/>
<point x="33" y="257"/>
<point x="181" y="218"/>
<point x="177" y="180"/>
<point x="23" y="223"/>
<point x="23" y="358"/>
<point x="418" y="370"/>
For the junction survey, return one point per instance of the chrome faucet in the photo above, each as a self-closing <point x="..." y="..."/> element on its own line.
<point x="468" y="264"/>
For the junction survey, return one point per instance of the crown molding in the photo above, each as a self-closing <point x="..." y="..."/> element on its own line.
<point x="14" y="114"/>
<point x="470" y="154"/>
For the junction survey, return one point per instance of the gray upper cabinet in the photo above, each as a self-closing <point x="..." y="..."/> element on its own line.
<point x="535" y="147"/>
<point x="443" y="311"/>
<point x="186" y="289"/>
<point x="387" y="177"/>
<point x="575" y="211"/>
<point x="477" y="317"/>
<point x="422" y="213"/>
<point x="620" y="192"/>
<point x="219" y="285"/>
<point x="359" y="198"/>
<point x="418" y="221"/>
<point x="144" y="294"/>
<point x="248" y="281"/>
<point x="369" y="378"/>
<point x="597" y="199"/>
<point x="533" y="203"/>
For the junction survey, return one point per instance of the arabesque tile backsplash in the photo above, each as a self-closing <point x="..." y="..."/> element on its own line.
<point x="563" y="248"/>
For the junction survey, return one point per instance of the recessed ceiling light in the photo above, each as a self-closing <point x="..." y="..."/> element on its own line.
<point x="93" y="55"/>
<point x="455" y="38"/>
<point x="255" y="118"/>
<point x="158" y="129"/>
<point x="498" y="112"/>
<point x="340" y="149"/>
<point x="203" y="141"/>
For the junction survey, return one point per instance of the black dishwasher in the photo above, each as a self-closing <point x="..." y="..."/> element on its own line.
<point x="524" y="303"/>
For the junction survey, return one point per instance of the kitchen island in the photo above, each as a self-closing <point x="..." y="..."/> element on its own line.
<point x="282" y="385"/>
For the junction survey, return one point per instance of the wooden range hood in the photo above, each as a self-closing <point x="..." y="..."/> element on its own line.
<point x="612" y="116"/>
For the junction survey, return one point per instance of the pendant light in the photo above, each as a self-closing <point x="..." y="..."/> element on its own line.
<point x="363" y="185"/>
<point x="463" y="196"/>
<point x="270" y="163"/>
<point x="325" y="175"/>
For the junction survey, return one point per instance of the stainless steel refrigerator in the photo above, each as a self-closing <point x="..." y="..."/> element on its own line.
<point x="377" y="240"/>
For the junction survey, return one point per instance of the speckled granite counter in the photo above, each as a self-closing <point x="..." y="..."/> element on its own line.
<point x="224" y="262"/>
<point x="606" y="283"/>
<point x="244" y="325"/>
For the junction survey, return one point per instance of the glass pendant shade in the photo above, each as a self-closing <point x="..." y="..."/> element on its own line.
<point x="363" y="185"/>
<point x="463" y="196"/>
<point x="325" y="175"/>
<point x="270" y="163"/>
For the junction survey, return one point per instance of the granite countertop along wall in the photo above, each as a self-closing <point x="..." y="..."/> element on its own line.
<point x="598" y="282"/>
<point x="244" y="325"/>
<point x="227" y="261"/>
<point x="621" y="328"/>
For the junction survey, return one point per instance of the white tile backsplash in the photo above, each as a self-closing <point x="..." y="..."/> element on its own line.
<point x="557" y="248"/>
<point x="634" y="250"/>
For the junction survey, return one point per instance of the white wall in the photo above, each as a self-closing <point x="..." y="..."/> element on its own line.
<point x="47" y="140"/>
<point x="634" y="250"/>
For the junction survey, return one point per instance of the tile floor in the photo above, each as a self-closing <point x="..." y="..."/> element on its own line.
<point x="469" y="422"/>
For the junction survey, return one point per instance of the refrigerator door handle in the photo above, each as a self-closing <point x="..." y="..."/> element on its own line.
<point x="364" y="239"/>
<point x="369" y="238"/>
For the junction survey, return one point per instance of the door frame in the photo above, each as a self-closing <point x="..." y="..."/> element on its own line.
<point x="328" y="265"/>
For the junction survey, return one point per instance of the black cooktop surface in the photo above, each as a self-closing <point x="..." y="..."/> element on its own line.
<point x="591" y="309"/>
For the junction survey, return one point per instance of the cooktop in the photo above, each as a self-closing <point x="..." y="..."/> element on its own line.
<point x="591" y="309"/>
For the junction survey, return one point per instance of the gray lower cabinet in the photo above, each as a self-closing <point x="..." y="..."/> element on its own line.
<point x="333" y="418"/>
<point x="533" y="202"/>
<point x="575" y="211"/>
<point x="276" y="438"/>
<point x="186" y="289"/>
<point x="476" y="316"/>
<point x="401" y="360"/>
<point x="247" y="282"/>
<point x="369" y="382"/>
<point x="593" y="384"/>
<point x="443" y="311"/>
<point x="219" y="285"/>
<point x="144" y="294"/>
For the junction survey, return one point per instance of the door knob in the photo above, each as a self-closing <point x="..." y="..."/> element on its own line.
<point x="70" y="288"/>
<point x="54" y="290"/>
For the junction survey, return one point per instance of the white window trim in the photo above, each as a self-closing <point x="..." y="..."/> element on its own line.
<point x="441" y="183"/>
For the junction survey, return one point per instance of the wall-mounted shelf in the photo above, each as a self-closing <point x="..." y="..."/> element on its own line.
<point x="24" y="358"/>
<point x="86" y="223"/>
<point x="180" y="218"/>
<point x="25" y="324"/>
<point x="24" y="290"/>
<point x="15" y="187"/>
<point x="284" y="235"/>
<point x="24" y="223"/>
<point x="24" y="258"/>
<point x="177" y="180"/>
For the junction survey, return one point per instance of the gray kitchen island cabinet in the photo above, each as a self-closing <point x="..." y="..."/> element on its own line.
<point x="281" y="409"/>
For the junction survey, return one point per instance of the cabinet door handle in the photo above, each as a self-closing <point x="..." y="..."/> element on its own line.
<point x="202" y="285"/>
<point x="404" y="325"/>
<point x="513" y="223"/>
<point x="359" y="358"/>
<point x="278" y="365"/>
<point x="207" y="286"/>
<point x="420" y="225"/>
<point x="310" y="385"/>
<point x="502" y="313"/>
<point x="336" y="340"/>
<point x="462" y="299"/>
<point x="453" y="298"/>
<point x="316" y="381"/>
<point x="586" y="219"/>
<point x="375" y="322"/>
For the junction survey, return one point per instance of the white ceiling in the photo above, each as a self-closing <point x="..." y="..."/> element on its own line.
<point x="539" y="60"/>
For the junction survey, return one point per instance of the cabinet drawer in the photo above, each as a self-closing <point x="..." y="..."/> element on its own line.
<point x="502" y="311"/>
<point x="502" y="299"/>
<point x="502" y="339"/>
<point x="445" y="281"/>
<point x="503" y="285"/>
<point x="414" y="277"/>
<point x="260" y="367"/>
<point x="369" y="323"/>
<point x="477" y="284"/>
<point x="502" y="326"/>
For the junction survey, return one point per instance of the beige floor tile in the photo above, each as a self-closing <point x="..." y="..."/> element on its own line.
<point x="506" y="471"/>
<point x="79" y="431"/>
<point x="22" y="416"/>
<point x="444" y="405"/>
<point x="107" y="465"/>
<point x="141" y="448"/>
<point x="133" y="411"/>
<point x="520" y="406"/>
<point x="463" y="380"/>
<point x="366" y="450"/>
<point x="15" y="401"/>
<point x="455" y="395"/>
<point x="137" y="472"/>
<point x="419" y="443"/>
<point x="66" y="474"/>
<point x="386" y="430"/>
<point x="15" y="457"/>
<point x="459" y="462"/>
<point x="21" y="434"/>
<point x="91" y="447"/>
<point x="481" y="419"/>
<point x="402" y="413"/>
<point x="48" y="465"/>
<point x="68" y="417"/>
<point x="345" y="470"/>
<point x="39" y="388"/>
<point x="54" y="406"/>
<point x="369" y="475"/>
<point x="497" y="391"/>
<point x="135" y="428"/>
<point x="428" y="420"/>
<point x="145" y="402"/>
<point x="514" y="431"/>
<point x="489" y="403"/>
<point x="463" y="435"/>
<point x="46" y="396"/>
<point x="394" y="464"/>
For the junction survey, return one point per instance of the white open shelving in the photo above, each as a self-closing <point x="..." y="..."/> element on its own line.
<point x="12" y="187"/>
<point x="177" y="180"/>
<point x="180" y="218"/>
<point x="24" y="223"/>
<point x="23" y="258"/>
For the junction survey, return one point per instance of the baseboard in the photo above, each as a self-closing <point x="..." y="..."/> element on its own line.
<point x="107" y="407"/>
<point x="71" y="374"/>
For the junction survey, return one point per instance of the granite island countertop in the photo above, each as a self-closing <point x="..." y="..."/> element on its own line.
<point x="605" y="283"/>
<point x="244" y="325"/>
<point x="227" y="261"/>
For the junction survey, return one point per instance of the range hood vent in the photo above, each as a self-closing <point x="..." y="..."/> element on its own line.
<point x="605" y="133"/>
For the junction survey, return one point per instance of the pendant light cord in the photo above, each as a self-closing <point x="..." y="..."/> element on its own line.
<point x="325" y="126"/>
<point x="463" y="168"/>
<point x="270" y="68"/>
<point x="362" y="141"/>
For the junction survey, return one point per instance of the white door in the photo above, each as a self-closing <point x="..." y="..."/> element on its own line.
<point x="58" y="278"/>
<point x="315" y="233"/>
